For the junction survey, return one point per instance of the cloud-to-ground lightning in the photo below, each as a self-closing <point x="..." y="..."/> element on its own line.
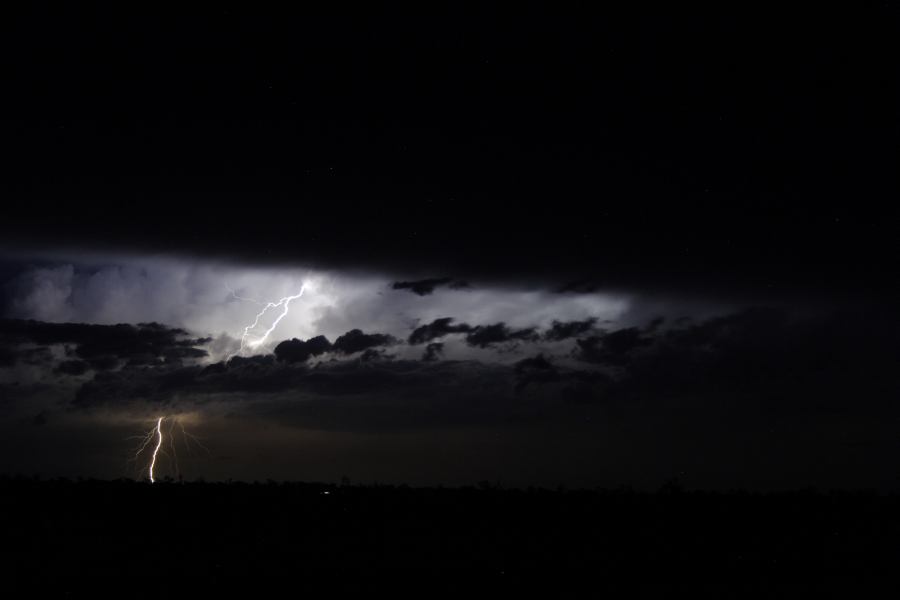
<point x="145" y="441"/>
<point x="156" y="450"/>
<point x="251" y="341"/>
<point x="155" y="434"/>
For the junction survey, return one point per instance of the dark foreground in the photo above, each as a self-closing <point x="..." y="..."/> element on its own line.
<point x="154" y="540"/>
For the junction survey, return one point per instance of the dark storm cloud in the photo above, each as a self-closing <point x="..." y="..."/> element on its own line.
<point x="437" y="329"/>
<point x="763" y="359"/>
<point x="297" y="351"/>
<point x="357" y="341"/>
<point x="425" y="287"/>
<point x="483" y="336"/>
<point x="102" y="346"/>
<point x="562" y="330"/>
<point x="698" y="139"/>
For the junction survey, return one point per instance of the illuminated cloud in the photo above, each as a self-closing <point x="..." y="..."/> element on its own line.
<point x="231" y="303"/>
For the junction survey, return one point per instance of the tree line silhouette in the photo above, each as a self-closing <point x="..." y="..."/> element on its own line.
<point x="64" y="532"/>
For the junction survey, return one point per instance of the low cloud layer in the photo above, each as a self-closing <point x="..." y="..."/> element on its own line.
<point x="761" y="360"/>
<point x="101" y="347"/>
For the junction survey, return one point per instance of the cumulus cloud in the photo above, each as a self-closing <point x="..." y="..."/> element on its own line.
<point x="297" y="351"/>
<point x="356" y="341"/>
<point x="437" y="329"/>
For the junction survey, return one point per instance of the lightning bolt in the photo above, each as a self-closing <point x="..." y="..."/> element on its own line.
<point x="248" y="340"/>
<point x="156" y="450"/>
<point x="145" y="441"/>
<point x="156" y="434"/>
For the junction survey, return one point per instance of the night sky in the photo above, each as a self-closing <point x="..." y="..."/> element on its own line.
<point x="613" y="248"/>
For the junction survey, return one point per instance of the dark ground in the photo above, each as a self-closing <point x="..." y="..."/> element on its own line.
<point x="155" y="540"/>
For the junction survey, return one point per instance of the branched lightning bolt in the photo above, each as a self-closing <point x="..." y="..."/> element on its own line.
<point x="284" y="304"/>
<point x="193" y="438"/>
<point x="145" y="441"/>
<point x="156" y="434"/>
